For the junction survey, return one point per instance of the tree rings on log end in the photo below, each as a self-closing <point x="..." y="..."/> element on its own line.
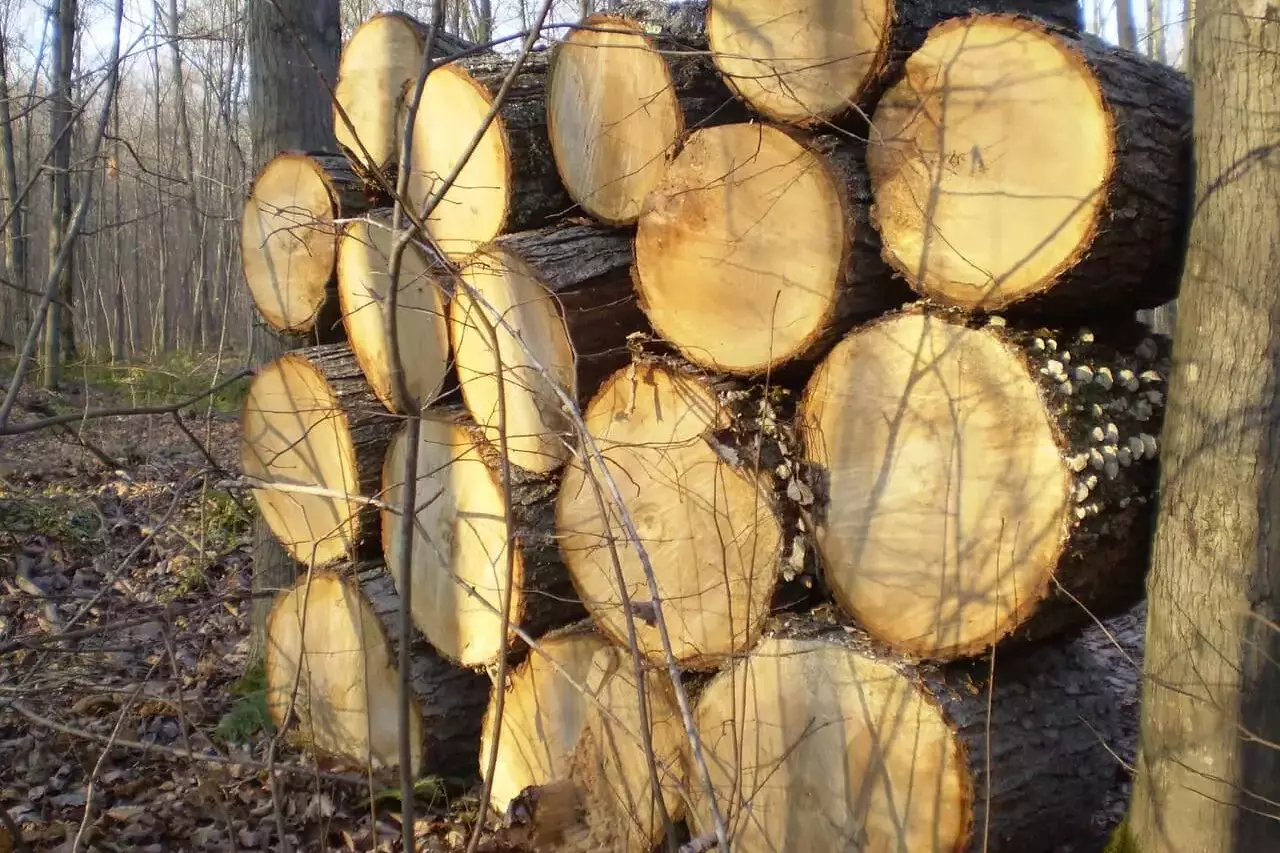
<point x="288" y="241"/>
<point x="710" y="534"/>
<point x="612" y="116"/>
<point x="742" y="247"/>
<point x="971" y="473"/>
<point x="548" y="721"/>
<point x="1011" y="154"/>
<point x="799" y="61"/>
<point x="364" y="260"/>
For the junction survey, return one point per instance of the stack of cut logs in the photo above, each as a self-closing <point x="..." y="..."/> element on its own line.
<point x="814" y="319"/>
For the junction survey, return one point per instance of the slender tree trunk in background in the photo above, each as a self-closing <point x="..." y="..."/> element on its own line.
<point x="161" y="338"/>
<point x="1208" y="775"/>
<point x="484" y="26"/>
<point x="194" y="265"/>
<point x="1128" y="30"/>
<point x="289" y="107"/>
<point x="1156" y="35"/>
<point x="117" y="278"/>
<point x="61" y="112"/>
<point x="14" y="303"/>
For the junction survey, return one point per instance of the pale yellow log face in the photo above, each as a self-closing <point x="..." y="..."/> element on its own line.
<point x="294" y="433"/>
<point x="612" y="116"/>
<point x="530" y="412"/>
<point x="475" y="207"/>
<point x="288" y="242"/>
<point x="740" y="250"/>
<point x="378" y="62"/>
<point x="989" y="162"/>
<point x="711" y="537"/>
<point x="954" y="498"/>
<point x="546" y="719"/>
<point x="349" y="685"/>
<point x="364" y="283"/>
<point x="798" y="60"/>
<point x="833" y="751"/>
<point x="460" y="537"/>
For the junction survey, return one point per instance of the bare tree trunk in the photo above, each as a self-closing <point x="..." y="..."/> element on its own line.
<point x="194" y="266"/>
<point x="62" y="114"/>
<point x="1209" y="767"/>
<point x="1124" y="22"/>
<point x="15" y="245"/>
<point x="117" y="278"/>
<point x="1156" y="36"/>
<point x="289" y="107"/>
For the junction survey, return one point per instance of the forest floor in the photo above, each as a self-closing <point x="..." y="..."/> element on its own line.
<point x="124" y="606"/>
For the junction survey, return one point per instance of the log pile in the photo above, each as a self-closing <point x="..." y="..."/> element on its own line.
<point x="855" y="436"/>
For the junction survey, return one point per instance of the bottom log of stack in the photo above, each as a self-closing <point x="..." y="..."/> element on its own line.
<point x="554" y="738"/>
<point x="818" y="741"/>
<point x="342" y="631"/>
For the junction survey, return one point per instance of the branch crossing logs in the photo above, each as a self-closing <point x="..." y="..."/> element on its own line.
<point x="459" y="560"/>
<point x="377" y="71"/>
<point x="313" y="437"/>
<point x="1023" y="167"/>
<point x="422" y="331"/>
<point x="711" y="536"/>
<point x="336" y="636"/>
<point x="622" y="92"/>
<point x="773" y="229"/>
<point x="560" y="304"/>
<point x="509" y="183"/>
<point x="552" y="731"/>
<point x="982" y="482"/>
<point x="289" y="240"/>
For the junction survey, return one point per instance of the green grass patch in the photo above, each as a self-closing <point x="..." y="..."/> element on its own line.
<point x="248" y="714"/>
<point x="169" y="379"/>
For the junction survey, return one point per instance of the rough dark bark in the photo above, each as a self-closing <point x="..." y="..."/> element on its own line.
<point x="536" y="196"/>
<point x="1209" y="773"/>
<point x="288" y="108"/>
<point x="589" y="271"/>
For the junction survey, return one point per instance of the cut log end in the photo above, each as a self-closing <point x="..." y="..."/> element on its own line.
<point x="288" y="242"/>
<point x="711" y="537"/>
<point x="756" y="221"/>
<point x="460" y="538"/>
<point x="551" y="733"/>
<point x="313" y="437"/>
<point x="349" y="687"/>
<point x="364" y="260"/>
<point x="799" y="62"/>
<point x="612" y="116"/>
<point x="531" y="413"/>
<point x="960" y="482"/>
<point x="812" y="746"/>
<point x="991" y="206"/>
<point x="378" y="63"/>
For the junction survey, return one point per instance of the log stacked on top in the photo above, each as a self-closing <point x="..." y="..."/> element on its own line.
<point x="772" y="351"/>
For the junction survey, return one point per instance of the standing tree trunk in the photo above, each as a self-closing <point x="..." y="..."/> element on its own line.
<point x="15" y="244"/>
<point x="288" y="108"/>
<point x="64" y="38"/>
<point x="1208" y="773"/>
<point x="1128" y="30"/>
